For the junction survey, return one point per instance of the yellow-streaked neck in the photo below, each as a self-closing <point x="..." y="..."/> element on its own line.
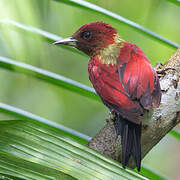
<point x="109" y="54"/>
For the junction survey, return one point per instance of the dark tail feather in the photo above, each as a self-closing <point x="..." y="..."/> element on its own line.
<point x="130" y="140"/>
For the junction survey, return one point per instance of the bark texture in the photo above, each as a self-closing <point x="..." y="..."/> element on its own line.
<point x="156" y="123"/>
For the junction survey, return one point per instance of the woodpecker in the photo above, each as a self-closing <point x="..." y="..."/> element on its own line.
<point x="123" y="77"/>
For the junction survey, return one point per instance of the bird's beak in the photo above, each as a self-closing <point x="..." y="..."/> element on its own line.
<point x="67" y="41"/>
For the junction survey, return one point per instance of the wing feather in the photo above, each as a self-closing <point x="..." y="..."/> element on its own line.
<point x="138" y="76"/>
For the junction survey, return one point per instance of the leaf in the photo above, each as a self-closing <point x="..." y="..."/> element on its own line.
<point x="48" y="76"/>
<point x="25" y="169"/>
<point x="19" y="113"/>
<point x="81" y="138"/>
<point x="8" y="177"/>
<point x="94" y="8"/>
<point x="41" y="153"/>
<point x="35" y="31"/>
<point x="175" y="133"/>
<point x="152" y="174"/>
<point x="176" y="2"/>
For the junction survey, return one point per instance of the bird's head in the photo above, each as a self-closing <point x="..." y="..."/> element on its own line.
<point x="92" y="37"/>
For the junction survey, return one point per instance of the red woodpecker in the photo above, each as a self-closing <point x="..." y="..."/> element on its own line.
<point x="123" y="77"/>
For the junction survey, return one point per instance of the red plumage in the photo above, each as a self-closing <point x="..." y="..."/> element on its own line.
<point x="123" y="77"/>
<point x="130" y="84"/>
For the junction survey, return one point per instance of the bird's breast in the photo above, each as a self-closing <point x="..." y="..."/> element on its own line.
<point x="99" y="72"/>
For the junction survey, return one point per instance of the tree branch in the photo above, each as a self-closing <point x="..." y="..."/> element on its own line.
<point x="156" y="123"/>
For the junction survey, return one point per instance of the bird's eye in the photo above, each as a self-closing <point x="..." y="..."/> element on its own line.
<point x="86" y="35"/>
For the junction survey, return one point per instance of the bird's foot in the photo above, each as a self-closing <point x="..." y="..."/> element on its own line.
<point x="161" y="70"/>
<point x="158" y="66"/>
<point x="111" y="117"/>
<point x="117" y="125"/>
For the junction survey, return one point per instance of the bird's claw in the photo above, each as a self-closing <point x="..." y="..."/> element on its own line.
<point x="111" y="116"/>
<point x="158" y="66"/>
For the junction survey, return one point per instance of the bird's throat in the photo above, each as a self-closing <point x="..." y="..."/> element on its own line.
<point x="110" y="53"/>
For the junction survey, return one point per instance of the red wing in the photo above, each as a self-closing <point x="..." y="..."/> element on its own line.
<point x="138" y="77"/>
<point x="113" y="92"/>
<point x="115" y="97"/>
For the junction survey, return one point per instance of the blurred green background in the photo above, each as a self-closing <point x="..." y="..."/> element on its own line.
<point x="62" y="106"/>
